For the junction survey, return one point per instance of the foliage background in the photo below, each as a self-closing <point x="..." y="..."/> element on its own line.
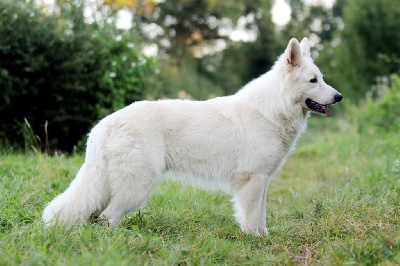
<point x="55" y="67"/>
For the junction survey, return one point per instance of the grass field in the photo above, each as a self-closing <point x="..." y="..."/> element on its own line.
<point x="336" y="201"/>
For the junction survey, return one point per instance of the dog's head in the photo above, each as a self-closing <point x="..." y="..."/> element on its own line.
<point x="305" y="80"/>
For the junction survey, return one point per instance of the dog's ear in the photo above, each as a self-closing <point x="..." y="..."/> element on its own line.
<point x="305" y="47"/>
<point x="293" y="53"/>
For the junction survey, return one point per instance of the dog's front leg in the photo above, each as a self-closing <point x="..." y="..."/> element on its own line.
<point x="262" y="224"/>
<point x="249" y="197"/>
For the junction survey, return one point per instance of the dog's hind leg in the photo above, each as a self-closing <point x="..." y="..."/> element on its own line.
<point x="249" y="196"/>
<point x="131" y="181"/>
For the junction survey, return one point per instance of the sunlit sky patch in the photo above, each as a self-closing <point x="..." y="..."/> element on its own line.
<point x="280" y="12"/>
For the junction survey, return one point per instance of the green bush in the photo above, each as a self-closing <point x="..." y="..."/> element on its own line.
<point x="60" y="69"/>
<point x="382" y="113"/>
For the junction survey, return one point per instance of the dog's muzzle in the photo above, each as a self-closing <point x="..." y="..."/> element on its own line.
<point x="322" y="108"/>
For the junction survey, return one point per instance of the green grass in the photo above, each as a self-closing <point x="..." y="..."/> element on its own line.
<point x="336" y="201"/>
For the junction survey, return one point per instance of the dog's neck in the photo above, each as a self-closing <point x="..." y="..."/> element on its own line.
<point x="271" y="100"/>
<point x="276" y="106"/>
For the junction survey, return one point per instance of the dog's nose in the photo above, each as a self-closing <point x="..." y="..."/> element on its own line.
<point x="338" y="97"/>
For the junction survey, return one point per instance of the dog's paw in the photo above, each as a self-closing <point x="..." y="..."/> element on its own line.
<point x="263" y="231"/>
<point x="251" y="231"/>
<point x="110" y="222"/>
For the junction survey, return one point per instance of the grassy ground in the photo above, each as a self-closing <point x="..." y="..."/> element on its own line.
<point x="336" y="201"/>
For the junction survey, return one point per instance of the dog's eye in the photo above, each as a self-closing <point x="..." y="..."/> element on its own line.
<point x="314" y="80"/>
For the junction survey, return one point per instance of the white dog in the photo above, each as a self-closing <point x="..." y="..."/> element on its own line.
<point x="234" y="143"/>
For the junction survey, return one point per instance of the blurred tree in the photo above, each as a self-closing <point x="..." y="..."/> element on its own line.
<point x="61" y="69"/>
<point x="243" y="61"/>
<point x="367" y="47"/>
<point x="191" y="34"/>
<point x="314" y="21"/>
<point x="185" y="27"/>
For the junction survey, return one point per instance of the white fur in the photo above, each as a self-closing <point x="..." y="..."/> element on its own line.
<point x="234" y="143"/>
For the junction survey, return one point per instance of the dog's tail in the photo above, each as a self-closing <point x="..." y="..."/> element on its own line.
<point x="89" y="191"/>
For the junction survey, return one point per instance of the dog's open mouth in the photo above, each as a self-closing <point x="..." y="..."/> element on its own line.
<point x="318" y="108"/>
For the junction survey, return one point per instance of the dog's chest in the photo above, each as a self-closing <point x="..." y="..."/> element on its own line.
<point x="268" y="145"/>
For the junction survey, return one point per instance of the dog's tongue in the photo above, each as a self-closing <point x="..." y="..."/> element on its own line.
<point x="326" y="109"/>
